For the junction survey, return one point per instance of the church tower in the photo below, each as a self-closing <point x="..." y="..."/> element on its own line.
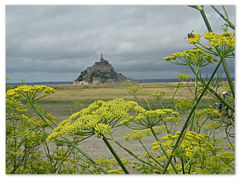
<point x="101" y="59"/>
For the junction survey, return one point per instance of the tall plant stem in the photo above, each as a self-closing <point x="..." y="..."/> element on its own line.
<point x="217" y="49"/>
<point x="195" y="93"/>
<point x="68" y="141"/>
<point x="189" y="116"/>
<point x="182" y="162"/>
<point x="206" y="20"/>
<point x="144" y="147"/>
<point x="115" y="154"/>
<point x="85" y="155"/>
<point x="175" y="91"/>
<point x="225" y="18"/>
<point x="165" y="153"/>
<point x="134" y="155"/>
<point x="229" y="78"/>
<point x="214" y="93"/>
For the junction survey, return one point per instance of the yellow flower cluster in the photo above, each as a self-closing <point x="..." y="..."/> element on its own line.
<point x="134" y="88"/>
<point x="193" y="145"/>
<point x="156" y="145"/>
<point x="150" y="114"/>
<point x="207" y="113"/>
<point x="150" y="118"/>
<point x="170" y="136"/>
<point x="183" y="76"/>
<point x="192" y="56"/>
<point x="226" y="157"/>
<point x="186" y="146"/>
<point x="203" y="54"/>
<point x="139" y="134"/>
<point x="12" y="102"/>
<point x="59" y="154"/>
<point x="37" y="122"/>
<point x="101" y="128"/>
<point x="158" y="94"/>
<point x="216" y="40"/>
<point x="183" y="104"/>
<point x="17" y="116"/>
<point x="169" y="58"/>
<point x="195" y="39"/>
<point x="115" y="171"/>
<point x="212" y="125"/>
<point x="29" y="92"/>
<point x="99" y="118"/>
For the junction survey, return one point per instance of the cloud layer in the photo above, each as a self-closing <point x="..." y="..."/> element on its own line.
<point x="56" y="43"/>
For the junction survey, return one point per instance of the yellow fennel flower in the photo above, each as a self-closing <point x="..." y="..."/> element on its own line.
<point x="195" y="39"/>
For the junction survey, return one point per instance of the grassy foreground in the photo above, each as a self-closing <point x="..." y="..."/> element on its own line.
<point x="61" y="103"/>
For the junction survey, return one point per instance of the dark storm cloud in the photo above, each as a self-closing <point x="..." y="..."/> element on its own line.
<point x="61" y="41"/>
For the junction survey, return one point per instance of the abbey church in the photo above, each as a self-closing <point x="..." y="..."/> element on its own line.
<point x="100" y="72"/>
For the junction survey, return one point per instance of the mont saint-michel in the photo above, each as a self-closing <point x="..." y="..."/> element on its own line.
<point x="100" y="72"/>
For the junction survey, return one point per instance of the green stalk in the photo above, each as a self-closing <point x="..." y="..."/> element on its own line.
<point x="226" y="14"/>
<point x="21" y="159"/>
<point x="145" y="99"/>
<point x="68" y="141"/>
<point x="206" y="20"/>
<point x="182" y="162"/>
<point x="217" y="49"/>
<point x="189" y="117"/>
<point x="150" y="154"/>
<point x="196" y="83"/>
<point x="215" y="94"/>
<point x="229" y="78"/>
<point x="114" y="154"/>
<point x="175" y="91"/>
<point x="195" y="95"/>
<point x="222" y="16"/>
<point x="221" y="99"/>
<point x="134" y="155"/>
<point x="165" y="153"/>
<point x="84" y="154"/>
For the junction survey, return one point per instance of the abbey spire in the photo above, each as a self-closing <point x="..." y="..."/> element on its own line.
<point x="101" y="57"/>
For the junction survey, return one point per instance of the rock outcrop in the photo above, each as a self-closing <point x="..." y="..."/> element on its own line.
<point x="100" y="72"/>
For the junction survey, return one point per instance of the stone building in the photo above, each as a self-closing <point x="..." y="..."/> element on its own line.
<point x="100" y="72"/>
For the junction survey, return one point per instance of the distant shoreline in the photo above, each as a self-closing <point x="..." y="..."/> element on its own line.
<point x="70" y="82"/>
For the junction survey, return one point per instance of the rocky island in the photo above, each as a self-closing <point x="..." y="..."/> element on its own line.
<point x="100" y="72"/>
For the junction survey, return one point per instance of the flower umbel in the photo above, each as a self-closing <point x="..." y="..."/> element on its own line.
<point x="30" y="93"/>
<point x="99" y="118"/>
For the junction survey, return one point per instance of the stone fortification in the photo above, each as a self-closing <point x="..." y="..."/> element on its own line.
<point x="100" y="72"/>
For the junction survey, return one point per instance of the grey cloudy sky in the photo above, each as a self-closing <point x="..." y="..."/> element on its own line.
<point x="56" y="43"/>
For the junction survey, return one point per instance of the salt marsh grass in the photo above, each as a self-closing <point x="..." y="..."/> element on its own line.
<point x="61" y="103"/>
